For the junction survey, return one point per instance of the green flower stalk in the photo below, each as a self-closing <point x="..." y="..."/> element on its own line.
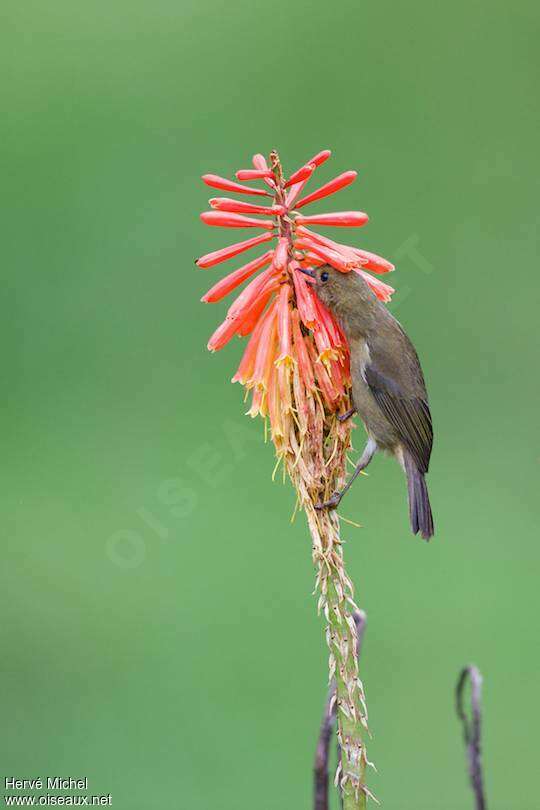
<point x="296" y="369"/>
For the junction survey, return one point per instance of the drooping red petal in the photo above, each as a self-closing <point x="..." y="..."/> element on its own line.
<point x="301" y="352"/>
<point x="253" y="174"/>
<point x="252" y="316"/>
<point x="225" y="332"/>
<point x="233" y="280"/>
<point x="240" y="207"/>
<point x="326" y="319"/>
<point x="264" y="359"/>
<point x="340" y="218"/>
<point x="223" y="219"/>
<point x="247" y="363"/>
<point x="348" y="253"/>
<point x="375" y="263"/>
<point x="249" y="294"/>
<point x="215" y="181"/>
<point x="304" y="298"/>
<point x="340" y="262"/>
<point x="217" y="256"/>
<point x="258" y="403"/>
<point x="331" y="187"/>
<point x="284" y="326"/>
<point x="280" y="256"/>
<point x="383" y="291"/>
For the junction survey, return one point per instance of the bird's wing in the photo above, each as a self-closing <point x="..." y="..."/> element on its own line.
<point x="399" y="390"/>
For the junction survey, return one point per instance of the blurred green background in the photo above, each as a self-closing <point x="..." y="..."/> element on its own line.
<point x="159" y="634"/>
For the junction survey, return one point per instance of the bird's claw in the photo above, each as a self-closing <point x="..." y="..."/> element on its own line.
<point x="342" y="417"/>
<point x="331" y="503"/>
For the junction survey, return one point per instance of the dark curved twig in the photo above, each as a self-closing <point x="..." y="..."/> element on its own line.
<point x="472" y="729"/>
<point x="327" y="728"/>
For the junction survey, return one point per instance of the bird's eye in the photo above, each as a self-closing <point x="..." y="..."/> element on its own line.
<point x="324" y="276"/>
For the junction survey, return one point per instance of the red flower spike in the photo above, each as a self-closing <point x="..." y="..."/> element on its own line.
<point x="303" y="173"/>
<point x="284" y="326"/>
<point x="296" y="347"/>
<point x="297" y="364"/>
<point x="253" y="174"/>
<point x="233" y="280"/>
<point x="334" y="185"/>
<point x="225" y="220"/>
<point x="342" y="218"/>
<point x="217" y="256"/>
<point x="239" y="207"/>
<point x="215" y="181"/>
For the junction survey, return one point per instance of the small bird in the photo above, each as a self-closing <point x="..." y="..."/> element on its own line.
<point x="388" y="389"/>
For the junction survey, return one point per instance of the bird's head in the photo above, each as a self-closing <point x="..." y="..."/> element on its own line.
<point x="342" y="293"/>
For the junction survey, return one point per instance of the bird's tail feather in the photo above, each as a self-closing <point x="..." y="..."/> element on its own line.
<point x="419" y="506"/>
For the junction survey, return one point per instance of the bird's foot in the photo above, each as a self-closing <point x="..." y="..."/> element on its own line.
<point x="331" y="503"/>
<point x="342" y="417"/>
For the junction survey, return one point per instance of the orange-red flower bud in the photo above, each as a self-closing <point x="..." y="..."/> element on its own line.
<point x="341" y="218"/>
<point x="303" y="173"/>
<point x="240" y="207"/>
<point x="215" y="181"/>
<point x="334" y="185"/>
<point x="233" y="280"/>
<point x="217" y="256"/>
<point x="253" y="174"/>
<point x="225" y="220"/>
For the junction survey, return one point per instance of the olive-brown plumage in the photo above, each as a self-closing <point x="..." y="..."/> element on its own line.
<point x="388" y="386"/>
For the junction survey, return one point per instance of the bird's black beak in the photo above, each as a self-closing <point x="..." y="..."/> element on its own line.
<point x="309" y="273"/>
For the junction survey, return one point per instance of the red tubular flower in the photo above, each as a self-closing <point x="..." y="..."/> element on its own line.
<point x="232" y="250"/>
<point x="280" y="256"/>
<point x="215" y="181"/>
<point x="303" y="173"/>
<point x="334" y="185"/>
<point x="253" y="174"/>
<point x="233" y="280"/>
<point x="225" y="220"/>
<point x="240" y="207"/>
<point x="342" y="218"/>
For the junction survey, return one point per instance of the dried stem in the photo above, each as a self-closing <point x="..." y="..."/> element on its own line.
<point x="472" y="729"/>
<point x="321" y="799"/>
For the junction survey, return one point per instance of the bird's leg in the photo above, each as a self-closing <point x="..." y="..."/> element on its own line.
<point x="342" y="417"/>
<point x="365" y="458"/>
